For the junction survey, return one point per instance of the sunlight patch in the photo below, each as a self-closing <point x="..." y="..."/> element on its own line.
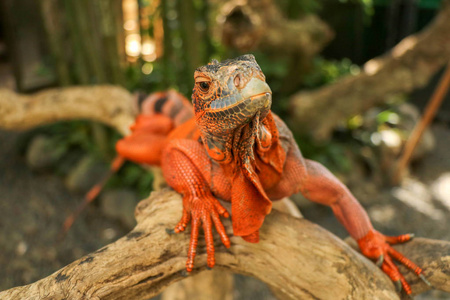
<point x="441" y="189"/>
<point x="416" y="195"/>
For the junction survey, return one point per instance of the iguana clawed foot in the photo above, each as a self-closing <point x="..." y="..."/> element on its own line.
<point x="377" y="247"/>
<point x="205" y="211"/>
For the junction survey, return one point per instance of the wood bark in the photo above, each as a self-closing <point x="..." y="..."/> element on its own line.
<point x="254" y="24"/>
<point x="409" y="65"/>
<point x="215" y="284"/>
<point x="298" y="259"/>
<point x="110" y="105"/>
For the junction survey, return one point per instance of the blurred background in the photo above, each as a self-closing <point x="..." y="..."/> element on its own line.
<point x="307" y="49"/>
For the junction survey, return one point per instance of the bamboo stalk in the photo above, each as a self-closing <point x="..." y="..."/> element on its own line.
<point x="90" y="46"/>
<point x="158" y="31"/>
<point x="100" y="12"/>
<point x="50" y="16"/>
<point x="430" y="111"/>
<point x="205" y="13"/>
<point x="82" y="72"/>
<point x="116" y="24"/>
<point x="106" y="11"/>
<point x="120" y="36"/>
<point x="192" y="44"/>
<point x="167" y="45"/>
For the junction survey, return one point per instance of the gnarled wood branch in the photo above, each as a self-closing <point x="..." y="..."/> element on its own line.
<point x="408" y="66"/>
<point x="295" y="257"/>
<point x="111" y="105"/>
<point x="254" y="24"/>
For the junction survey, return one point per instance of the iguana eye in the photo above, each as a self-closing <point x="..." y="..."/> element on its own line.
<point x="204" y="86"/>
<point x="204" y="83"/>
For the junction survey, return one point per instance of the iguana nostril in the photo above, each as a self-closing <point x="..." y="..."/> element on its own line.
<point x="238" y="82"/>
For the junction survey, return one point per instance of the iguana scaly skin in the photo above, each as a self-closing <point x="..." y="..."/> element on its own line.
<point x="234" y="148"/>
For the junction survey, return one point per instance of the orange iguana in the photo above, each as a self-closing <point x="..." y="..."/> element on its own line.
<point x="231" y="146"/>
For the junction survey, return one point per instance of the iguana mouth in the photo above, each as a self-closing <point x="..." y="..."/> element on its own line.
<point x="256" y="93"/>
<point x="230" y="102"/>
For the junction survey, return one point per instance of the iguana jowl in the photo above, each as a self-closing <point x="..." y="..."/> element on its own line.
<point x="234" y="148"/>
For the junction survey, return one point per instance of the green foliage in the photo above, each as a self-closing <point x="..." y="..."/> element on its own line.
<point x="76" y="135"/>
<point x="331" y="154"/>
<point x="328" y="71"/>
<point x="76" y="138"/>
<point x="361" y="131"/>
<point x="295" y="8"/>
<point x="138" y="80"/>
<point x="132" y="176"/>
<point x="367" y="6"/>
<point x="387" y="116"/>
<point x="275" y="67"/>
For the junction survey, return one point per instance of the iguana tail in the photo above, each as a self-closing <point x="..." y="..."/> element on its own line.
<point x="168" y="103"/>
<point x="159" y="113"/>
<point x="93" y="193"/>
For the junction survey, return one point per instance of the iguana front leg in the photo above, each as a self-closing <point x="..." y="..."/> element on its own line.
<point x="187" y="168"/>
<point x="318" y="184"/>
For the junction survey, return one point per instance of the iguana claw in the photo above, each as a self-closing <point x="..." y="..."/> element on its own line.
<point x="421" y="276"/>
<point x="398" y="286"/>
<point x="380" y="260"/>
<point x="203" y="212"/>
<point x="378" y="246"/>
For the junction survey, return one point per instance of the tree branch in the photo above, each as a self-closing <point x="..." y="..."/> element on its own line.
<point x="111" y="105"/>
<point x="295" y="257"/>
<point x="408" y="66"/>
<point x="259" y="24"/>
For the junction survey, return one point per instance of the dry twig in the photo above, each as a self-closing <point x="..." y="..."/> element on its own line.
<point x="419" y="129"/>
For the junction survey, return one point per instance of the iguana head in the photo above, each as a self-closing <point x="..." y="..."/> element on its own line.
<point x="227" y="95"/>
<point x="232" y="104"/>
